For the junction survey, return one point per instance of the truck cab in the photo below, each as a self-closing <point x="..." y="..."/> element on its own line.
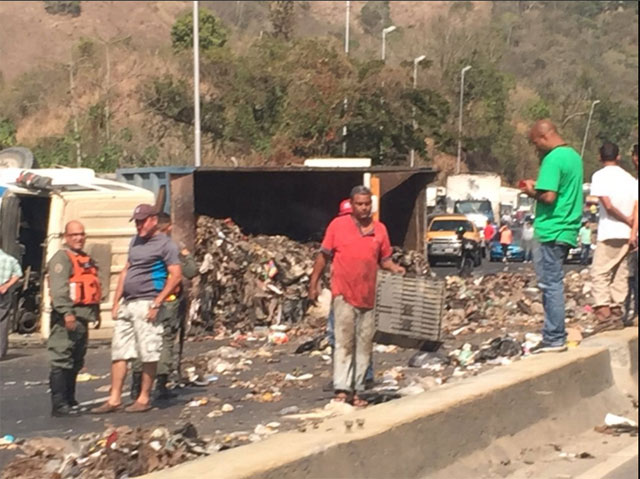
<point x="32" y="221"/>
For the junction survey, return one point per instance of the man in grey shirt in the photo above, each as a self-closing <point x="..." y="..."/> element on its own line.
<point x="152" y="272"/>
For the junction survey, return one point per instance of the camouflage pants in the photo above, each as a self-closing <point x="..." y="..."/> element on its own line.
<point x="67" y="349"/>
<point x="168" y="316"/>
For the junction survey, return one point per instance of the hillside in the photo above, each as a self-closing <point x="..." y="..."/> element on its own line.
<point x="107" y="82"/>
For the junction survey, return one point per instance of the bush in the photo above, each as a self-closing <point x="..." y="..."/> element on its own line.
<point x="70" y="8"/>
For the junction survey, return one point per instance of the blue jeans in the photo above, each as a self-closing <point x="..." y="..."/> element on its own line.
<point x="331" y="337"/>
<point x="584" y="254"/>
<point x="548" y="259"/>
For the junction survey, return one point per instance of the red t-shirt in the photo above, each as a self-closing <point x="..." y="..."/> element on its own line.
<point x="488" y="232"/>
<point x="355" y="259"/>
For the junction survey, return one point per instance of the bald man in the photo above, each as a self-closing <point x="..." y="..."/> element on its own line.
<point x="558" y="195"/>
<point x="75" y="302"/>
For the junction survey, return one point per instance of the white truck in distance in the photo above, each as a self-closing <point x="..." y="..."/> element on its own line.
<point x="477" y="196"/>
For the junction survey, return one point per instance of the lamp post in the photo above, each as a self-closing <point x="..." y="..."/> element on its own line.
<point x="462" y="72"/>
<point x="586" y="130"/>
<point x="386" y="31"/>
<point x="416" y="61"/>
<point x="346" y="52"/>
<point x="196" y="84"/>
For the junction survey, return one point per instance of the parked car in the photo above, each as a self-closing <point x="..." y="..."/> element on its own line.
<point x="573" y="255"/>
<point x="514" y="252"/>
<point x="442" y="242"/>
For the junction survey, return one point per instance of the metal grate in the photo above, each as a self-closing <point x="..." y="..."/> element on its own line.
<point x="409" y="307"/>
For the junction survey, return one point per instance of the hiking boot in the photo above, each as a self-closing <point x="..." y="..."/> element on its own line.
<point x="58" y="384"/>
<point x="163" y="393"/>
<point x="136" y="385"/>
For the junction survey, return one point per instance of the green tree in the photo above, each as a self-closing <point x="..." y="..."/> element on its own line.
<point x="212" y="33"/>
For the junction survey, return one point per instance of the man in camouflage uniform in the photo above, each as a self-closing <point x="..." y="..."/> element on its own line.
<point x="171" y="315"/>
<point x="75" y="302"/>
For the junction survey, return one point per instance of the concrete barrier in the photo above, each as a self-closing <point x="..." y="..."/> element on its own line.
<point x="415" y="436"/>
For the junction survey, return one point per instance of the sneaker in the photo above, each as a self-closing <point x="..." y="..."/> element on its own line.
<point x="543" y="347"/>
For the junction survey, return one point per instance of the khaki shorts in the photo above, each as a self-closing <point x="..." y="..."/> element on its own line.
<point x="134" y="336"/>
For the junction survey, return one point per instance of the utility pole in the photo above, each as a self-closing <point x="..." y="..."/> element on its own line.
<point x="346" y="51"/>
<point x="196" y="84"/>
<point x="74" y="113"/>
<point x="586" y="130"/>
<point x="416" y="61"/>
<point x="462" y="72"/>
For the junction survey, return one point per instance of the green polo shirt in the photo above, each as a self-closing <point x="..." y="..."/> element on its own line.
<point x="561" y="171"/>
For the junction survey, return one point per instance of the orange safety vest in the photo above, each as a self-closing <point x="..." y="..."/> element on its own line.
<point x="84" y="285"/>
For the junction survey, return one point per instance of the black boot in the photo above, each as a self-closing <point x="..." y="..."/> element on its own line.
<point x="136" y="384"/>
<point x="58" y="385"/>
<point x="72" y="374"/>
<point x="162" y="392"/>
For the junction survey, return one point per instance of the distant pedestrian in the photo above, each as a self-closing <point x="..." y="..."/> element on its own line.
<point x="357" y="245"/>
<point x="150" y="275"/>
<point x="489" y="232"/>
<point x="584" y="240"/>
<point x="506" y="238"/>
<point x="75" y="303"/>
<point x="617" y="192"/>
<point x="171" y="315"/>
<point x="632" y="296"/>
<point x="559" y="200"/>
<point x="527" y="241"/>
<point x="10" y="274"/>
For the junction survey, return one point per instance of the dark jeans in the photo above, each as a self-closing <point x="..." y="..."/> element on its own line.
<point x="331" y="337"/>
<point x="584" y="254"/>
<point x="548" y="259"/>
<point x="631" y="303"/>
<point x="5" y="322"/>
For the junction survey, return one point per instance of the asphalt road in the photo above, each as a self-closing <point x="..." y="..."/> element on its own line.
<point x="25" y="403"/>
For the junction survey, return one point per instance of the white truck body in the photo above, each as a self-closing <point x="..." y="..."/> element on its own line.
<point x="475" y="186"/>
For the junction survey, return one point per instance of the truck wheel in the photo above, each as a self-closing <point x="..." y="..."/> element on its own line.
<point x="27" y="322"/>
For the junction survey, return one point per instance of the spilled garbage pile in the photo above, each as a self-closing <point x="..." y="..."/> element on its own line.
<point x="117" y="453"/>
<point x="511" y="302"/>
<point x="248" y="281"/>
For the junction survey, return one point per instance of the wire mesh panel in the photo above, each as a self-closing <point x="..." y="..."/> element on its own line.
<point x="409" y="308"/>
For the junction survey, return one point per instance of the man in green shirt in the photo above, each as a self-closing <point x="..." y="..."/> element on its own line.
<point x="558" y="195"/>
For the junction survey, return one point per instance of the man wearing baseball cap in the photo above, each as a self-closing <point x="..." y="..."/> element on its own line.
<point x="151" y="273"/>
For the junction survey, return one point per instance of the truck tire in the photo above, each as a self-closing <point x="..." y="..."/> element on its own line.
<point x="17" y="157"/>
<point x="27" y="321"/>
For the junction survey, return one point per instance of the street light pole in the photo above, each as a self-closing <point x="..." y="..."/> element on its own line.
<point x="416" y="61"/>
<point x="462" y="72"/>
<point x="385" y="31"/>
<point x="346" y="52"/>
<point x="586" y="130"/>
<point x="196" y="84"/>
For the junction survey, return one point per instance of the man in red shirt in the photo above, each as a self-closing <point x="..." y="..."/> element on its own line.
<point x="357" y="245"/>
<point x="489" y="232"/>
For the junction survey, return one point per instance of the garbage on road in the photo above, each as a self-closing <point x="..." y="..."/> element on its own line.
<point x="117" y="453"/>
<point x="616" y="425"/>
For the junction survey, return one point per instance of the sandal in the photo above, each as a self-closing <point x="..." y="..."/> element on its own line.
<point x="341" y="396"/>
<point x="358" y="402"/>
<point x="106" y="408"/>
<point x="137" y="407"/>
